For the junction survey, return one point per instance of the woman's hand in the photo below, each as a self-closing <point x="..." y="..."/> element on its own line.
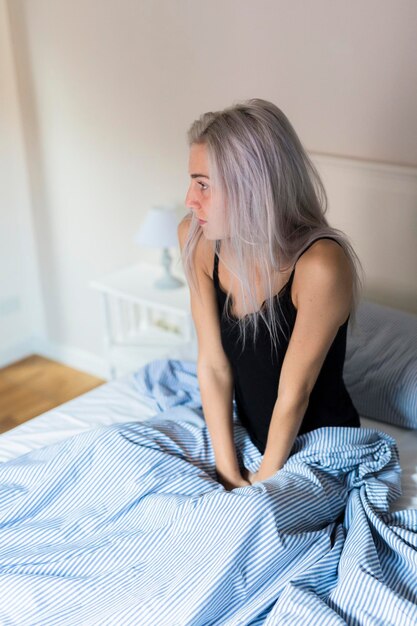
<point x="257" y="477"/>
<point x="252" y="477"/>
<point x="245" y="479"/>
<point x="232" y="482"/>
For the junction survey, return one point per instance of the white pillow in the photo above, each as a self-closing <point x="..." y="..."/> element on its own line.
<point x="380" y="369"/>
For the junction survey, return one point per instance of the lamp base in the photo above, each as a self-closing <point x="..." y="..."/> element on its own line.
<point x="168" y="282"/>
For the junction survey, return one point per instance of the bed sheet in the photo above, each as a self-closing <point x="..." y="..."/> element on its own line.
<point x="122" y="400"/>
<point x="128" y="524"/>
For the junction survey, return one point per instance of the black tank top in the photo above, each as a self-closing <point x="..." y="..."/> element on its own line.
<point x="256" y="371"/>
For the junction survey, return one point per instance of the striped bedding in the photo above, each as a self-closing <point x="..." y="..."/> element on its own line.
<point x="126" y="524"/>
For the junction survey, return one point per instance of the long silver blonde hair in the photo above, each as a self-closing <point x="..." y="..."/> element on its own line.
<point x="275" y="206"/>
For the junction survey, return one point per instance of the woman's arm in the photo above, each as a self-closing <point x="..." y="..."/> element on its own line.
<point x="216" y="388"/>
<point x="214" y="371"/>
<point x="323" y="295"/>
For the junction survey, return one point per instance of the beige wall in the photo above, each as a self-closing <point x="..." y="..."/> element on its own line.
<point x="21" y="307"/>
<point x="107" y="89"/>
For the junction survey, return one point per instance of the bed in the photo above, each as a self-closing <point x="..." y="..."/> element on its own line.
<point x="110" y="511"/>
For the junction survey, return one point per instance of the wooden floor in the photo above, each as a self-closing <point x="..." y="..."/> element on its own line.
<point x="34" y="385"/>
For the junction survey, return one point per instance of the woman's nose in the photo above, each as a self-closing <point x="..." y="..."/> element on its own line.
<point x="190" y="201"/>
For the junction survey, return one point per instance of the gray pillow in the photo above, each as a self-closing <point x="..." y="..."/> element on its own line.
<point x="380" y="369"/>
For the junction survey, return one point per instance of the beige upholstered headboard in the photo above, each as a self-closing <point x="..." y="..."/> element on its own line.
<point x="376" y="206"/>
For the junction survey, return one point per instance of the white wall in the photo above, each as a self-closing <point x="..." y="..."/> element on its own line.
<point x="107" y="90"/>
<point x="21" y="308"/>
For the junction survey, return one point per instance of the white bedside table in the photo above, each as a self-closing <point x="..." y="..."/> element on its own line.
<point x="142" y="323"/>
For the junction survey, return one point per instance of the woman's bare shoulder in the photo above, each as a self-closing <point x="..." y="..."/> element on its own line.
<point x="182" y="230"/>
<point x="326" y="262"/>
<point x="204" y="253"/>
<point x="326" y="253"/>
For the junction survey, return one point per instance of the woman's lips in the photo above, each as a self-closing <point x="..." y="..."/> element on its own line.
<point x="201" y="222"/>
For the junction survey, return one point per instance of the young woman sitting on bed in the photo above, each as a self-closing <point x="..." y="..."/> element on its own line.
<point x="272" y="287"/>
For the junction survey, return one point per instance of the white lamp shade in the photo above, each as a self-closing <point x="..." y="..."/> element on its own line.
<point x="159" y="229"/>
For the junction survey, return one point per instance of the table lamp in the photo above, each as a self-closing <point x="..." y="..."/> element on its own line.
<point x="159" y="230"/>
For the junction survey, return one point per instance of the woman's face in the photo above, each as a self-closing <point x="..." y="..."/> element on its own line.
<point x="205" y="201"/>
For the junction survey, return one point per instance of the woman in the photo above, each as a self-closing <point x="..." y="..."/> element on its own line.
<point x="272" y="286"/>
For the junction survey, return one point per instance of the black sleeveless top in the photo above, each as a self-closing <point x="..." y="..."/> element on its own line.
<point x="256" y="371"/>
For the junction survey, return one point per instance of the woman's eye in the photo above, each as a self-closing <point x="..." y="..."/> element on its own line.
<point x="203" y="186"/>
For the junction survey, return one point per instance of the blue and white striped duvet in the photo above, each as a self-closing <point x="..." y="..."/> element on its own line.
<point x="126" y="524"/>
